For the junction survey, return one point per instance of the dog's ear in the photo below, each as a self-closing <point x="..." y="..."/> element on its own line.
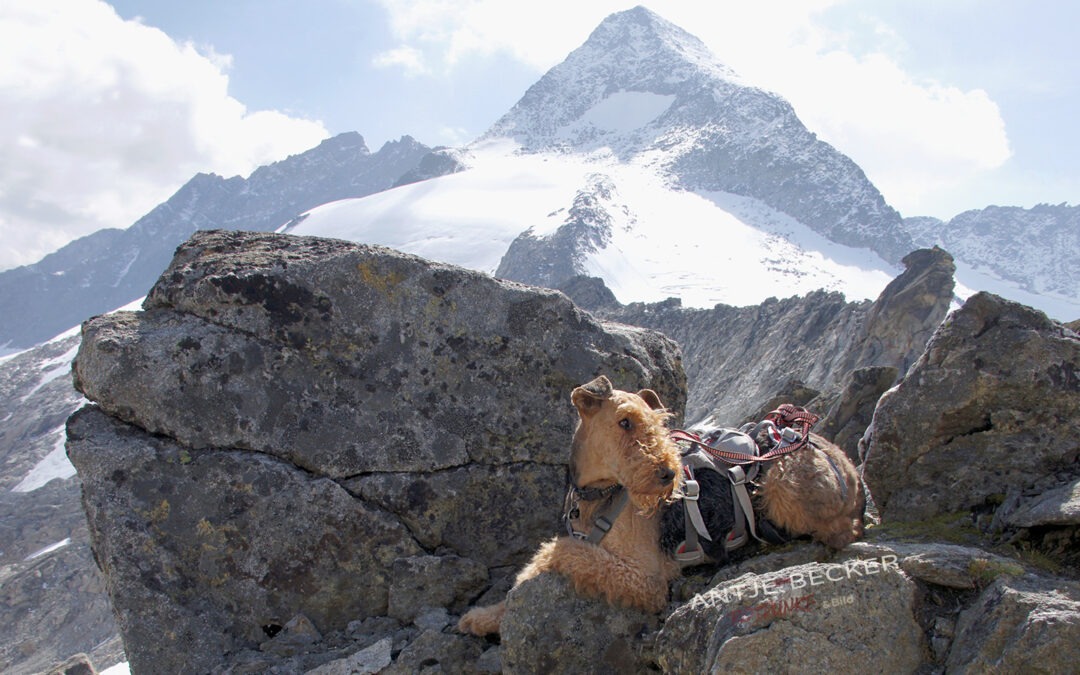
<point x="651" y="399"/>
<point x="588" y="397"/>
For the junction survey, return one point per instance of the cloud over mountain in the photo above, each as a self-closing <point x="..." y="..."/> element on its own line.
<point x="151" y="112"/>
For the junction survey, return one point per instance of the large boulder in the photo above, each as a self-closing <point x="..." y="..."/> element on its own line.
<point x="835" y="616"/>
<point x="988" y="410"/>
<point x="300" y="427"/>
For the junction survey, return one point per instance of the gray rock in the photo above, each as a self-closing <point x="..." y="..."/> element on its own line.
<point x="982" y="411"/>
<point x="425" y="582"/>
<point x="835" y="617"/>
<point x="494" y="514"/>
<point x="1055" y="507"/>
<point x="1028" y="625"/>
<point x="340" y="358"/>
<point x="364" y="662"/>
<point x="203" y="552"/>
<point x="436" y="652"/>
<point x="846" y="417"/>
<point x="548" y="628"/>
<point x="947" y="565"/>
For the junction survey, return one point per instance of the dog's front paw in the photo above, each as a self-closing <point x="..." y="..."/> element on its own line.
<point x="482" y="620"/>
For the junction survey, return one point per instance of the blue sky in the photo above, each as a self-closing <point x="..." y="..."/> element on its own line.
<point x="107" y="108"/>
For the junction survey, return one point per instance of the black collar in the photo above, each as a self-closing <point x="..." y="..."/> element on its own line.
<point x="596" y="494"/>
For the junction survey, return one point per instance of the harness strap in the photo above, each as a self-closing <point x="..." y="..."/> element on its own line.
<point x="737" y="457"/>
<point x="744" y="510"/>
<point x="689" y="552"/>
<point x="604" y="520"/>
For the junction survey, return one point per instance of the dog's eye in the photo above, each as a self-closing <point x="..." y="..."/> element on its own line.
<point x="625" y="423"/>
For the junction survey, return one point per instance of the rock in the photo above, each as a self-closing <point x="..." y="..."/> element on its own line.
<point x="296" y="637"/>
<point x="946" y="565"/>
<point x="435" y="652"/>
<point x="307" y="426"/>
<point x="364" y="662"/>
<point x="548" y="628"/>
<point x="340" y="358"/>
<point x="204" y="553"/>
<point x="424" y="582"/>
<point x="834" y="616"/>
<point x="1029" y="624"/>
<point x="906" y="314"/>
<point x="847" y="416"/>
<point x="985" y="409"/>
<point x="79" y="664"/>
<point x="1055" y="507"/>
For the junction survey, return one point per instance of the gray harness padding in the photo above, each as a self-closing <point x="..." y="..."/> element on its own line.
<point x="694" y="459"/>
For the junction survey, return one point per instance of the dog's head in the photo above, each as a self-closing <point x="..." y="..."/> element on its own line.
<point x="622" y="438"/>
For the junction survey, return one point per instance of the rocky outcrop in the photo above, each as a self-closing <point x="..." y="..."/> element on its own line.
<point x="737" y="358"/>
<point x="983" y="417"/>
<point x="299" y="431"/>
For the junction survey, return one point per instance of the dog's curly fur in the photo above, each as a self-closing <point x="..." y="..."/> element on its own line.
<point x="622" y="438"/>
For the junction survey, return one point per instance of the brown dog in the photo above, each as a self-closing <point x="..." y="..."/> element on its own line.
<point x="621" y="440"/>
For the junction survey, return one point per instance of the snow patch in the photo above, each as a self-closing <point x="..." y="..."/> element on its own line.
<point x="48" y="549"/>
<point x="54" y="465"/>
<point x="53" y="369"/>
<point x="703" y="248"/>
<point x="621" y="112"/>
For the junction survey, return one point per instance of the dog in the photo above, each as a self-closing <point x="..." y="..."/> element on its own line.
<point x="622" y="448"/>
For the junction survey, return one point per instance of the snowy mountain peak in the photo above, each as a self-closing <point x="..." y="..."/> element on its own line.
<point x="634" y="60"/>
<point x="644" y="91"/>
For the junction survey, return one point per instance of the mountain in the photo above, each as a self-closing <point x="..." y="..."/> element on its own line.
<point x="643" y="161"/>
<point x="112" y="267"/>
<point x="1023" y="254"/>
<point x="651" y="92"/>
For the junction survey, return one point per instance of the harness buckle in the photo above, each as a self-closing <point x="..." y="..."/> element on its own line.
<point x="691" y="490"/>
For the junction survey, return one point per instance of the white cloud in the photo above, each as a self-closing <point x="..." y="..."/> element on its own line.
<point x="409" y="59"/>
<point x="101" y="119"/>
<point x="914" y="136"/>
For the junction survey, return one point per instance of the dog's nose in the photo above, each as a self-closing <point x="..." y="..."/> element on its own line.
<point x="665" y="474"/>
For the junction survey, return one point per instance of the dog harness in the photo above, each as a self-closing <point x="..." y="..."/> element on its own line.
<point x="740" y="455"/>
<point x="617" y="497"/>
<point x="697" y="457"/>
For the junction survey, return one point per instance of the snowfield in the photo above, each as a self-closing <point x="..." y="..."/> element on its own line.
<point x="704" y="248"/>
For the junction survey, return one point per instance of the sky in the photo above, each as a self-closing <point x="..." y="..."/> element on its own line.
<point x="106" y="109"/>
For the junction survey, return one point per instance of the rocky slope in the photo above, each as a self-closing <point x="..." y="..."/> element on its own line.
<point x="289" y="416"/>
<point x="111" y="268"/>
<point x="52" y="597"/>
<point x="738" y="357"/>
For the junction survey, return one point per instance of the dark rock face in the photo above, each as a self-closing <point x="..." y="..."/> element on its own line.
<point x="553" y="260"/>
<point x="738" y="358"/>
<point x="983" y="413"/>
<point x="306" y="427"/>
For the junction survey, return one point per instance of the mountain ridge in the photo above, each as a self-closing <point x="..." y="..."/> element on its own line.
<point x="109" y="268"/>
